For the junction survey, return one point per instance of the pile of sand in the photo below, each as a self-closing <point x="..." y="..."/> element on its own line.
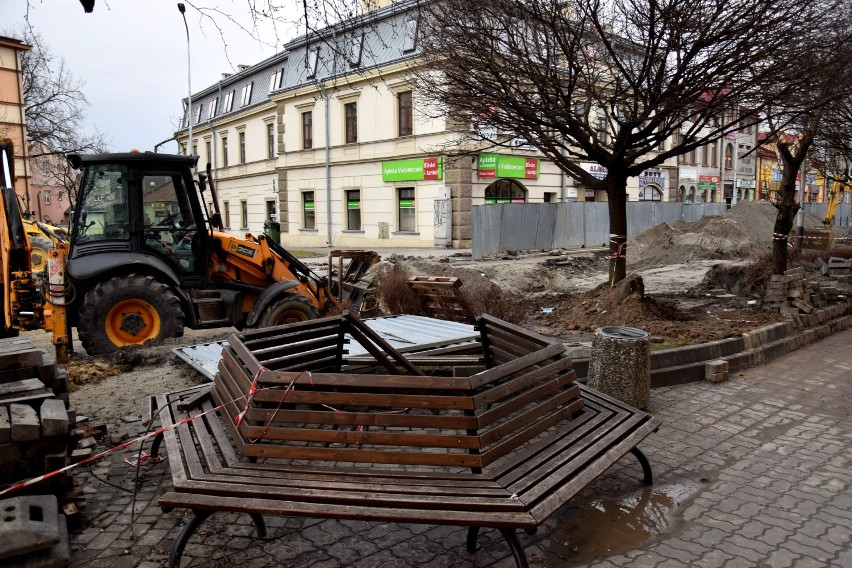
<point x="744" y="231"/>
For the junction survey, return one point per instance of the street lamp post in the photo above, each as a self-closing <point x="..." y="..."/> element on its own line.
<point x="182" y="10"/>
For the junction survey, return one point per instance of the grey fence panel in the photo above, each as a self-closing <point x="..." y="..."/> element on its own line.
<point x="486" y="228"/>
<point x="816" y="209"/>
<point x="670" y="213"/>
<point x="528" y="227"/>
<point x="640" y="217"/>
<point x="843" y="215"/>
<point x="570" y="226"/>
<point x="597" y="224"/>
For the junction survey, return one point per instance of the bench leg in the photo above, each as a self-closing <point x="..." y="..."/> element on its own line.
<point x="646" y="465"/>
<point x="259" y="524"/>
<point x="472" y="533"/>
<point x="198" y="517"/>
<point x="516" y="548"/>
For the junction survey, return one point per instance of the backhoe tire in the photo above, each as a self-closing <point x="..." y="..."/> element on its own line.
<point x="290" y="308"/>
<point x="129" y="310"/>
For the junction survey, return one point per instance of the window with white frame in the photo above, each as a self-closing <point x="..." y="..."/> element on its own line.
<point x="307" y="130"/>
<point x="211" y="112"/>
<point x="226" y="207"/>
<point x="350" y="113"/>
<point x="309" y="218"/>
<point x="242" y="136"/>
<point x="405" y="113"/>
<point x="245" y="98"/>
<point x="225" y="151"/>
<point x="244" y="214"/>
<point x="353" y="210"/>
<point x="229" y="101"/>
<point x="198" y="113"/>
<point x="270" y="140"/>
<point x="47" y="198"/>
<point x="407" y="218"/>
<point x="275" y="81"/>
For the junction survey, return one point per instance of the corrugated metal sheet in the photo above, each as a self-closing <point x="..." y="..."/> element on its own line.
<point x="405" y="333"/>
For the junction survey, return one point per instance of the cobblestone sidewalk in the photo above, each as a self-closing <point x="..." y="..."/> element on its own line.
<point x="751" y="472"/>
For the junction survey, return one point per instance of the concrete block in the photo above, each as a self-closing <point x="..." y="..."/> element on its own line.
<point x="28" y="523"/>
<point x="716" y="377"/>
<point x="5" y="425"/>
<point x="80" y="454"/>
<point x="803" y="305"/>
<point x="17" y="388"/>
<point x="717" y="366"/>
<point x="54" y="418"/>
<point x="10" y="453"/>
<point x="57" y="556"/>
<point x="25" y="425"/>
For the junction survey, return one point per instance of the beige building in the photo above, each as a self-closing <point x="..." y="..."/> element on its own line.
<point x="12" y="123"/>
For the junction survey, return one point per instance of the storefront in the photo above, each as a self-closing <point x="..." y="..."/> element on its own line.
<point x="506" y="171"/>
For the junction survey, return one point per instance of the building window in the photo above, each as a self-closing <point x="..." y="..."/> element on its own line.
<point x="47" y="198"/>
<point x="229" y="101"/>
<point x="195" y="149"/>
<point x="404" y="113"/>
<point x="600" y="128"/>
<point x="309" y="217"/>
<point x="270" y="140"/>
<point x="227" y="210"/>
<point x="356" y="47"/>
<point x="245" y="98"/>
<point x="307" y="130"/>
<point x="692" y="158"/>
<point x="409" y="42"/>
<point x="270" y="210"/>
<point x="275" y="81"/>
<point x="45" y="168"/>
<point x="59" y="196"/>
<point x="729" y="157"/>
<point x="407" y="215"/>
<point x="351" y="113"/>
<point x="209" y="153"/>
<point x="712" y="163"/>
<point x="242" y="147"/>
<point x="353" y="210"/>
<point x="211" y="112"/>
<point x="311" y="58"/>
<point x="198" y="113"/>
<point x="244" y="214"/>
<point x="224" y="151"/>
<point x="705" y="156"/>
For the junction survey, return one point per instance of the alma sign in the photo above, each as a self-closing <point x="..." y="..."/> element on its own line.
<point x="413" y="170"/>
<point x="500" y="166"/>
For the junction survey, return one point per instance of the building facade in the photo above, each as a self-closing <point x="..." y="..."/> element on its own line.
<point x="12" y="123"/>
<point x="330" y="139"/>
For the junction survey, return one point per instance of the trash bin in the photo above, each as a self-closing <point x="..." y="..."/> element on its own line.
<point x="620" y="365"/>
<point x="272" y="229"/>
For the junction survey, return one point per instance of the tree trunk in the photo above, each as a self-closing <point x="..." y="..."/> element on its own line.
<point x="616" y="191"/>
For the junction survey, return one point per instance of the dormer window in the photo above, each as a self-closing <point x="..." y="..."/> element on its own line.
<point x="198" y="113"/>
<point x="275" y="81"/>
<point x="356" y="47"/>
<point x="229" y="101"/>
<point x="312" y="57"/>
<point x="211" y="112"/>
<point x="246" y="96"/>
<point x="410" y="41"/>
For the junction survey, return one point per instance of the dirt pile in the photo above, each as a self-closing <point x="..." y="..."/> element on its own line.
<point x="744" y="231"/>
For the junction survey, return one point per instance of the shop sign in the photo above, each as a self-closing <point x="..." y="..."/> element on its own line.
<point x="708" y="183"/>
<point x="745" y="183"/>
<point x="687" y="176"/>
<point x="652" y="177"/>
<point x="500" y="166"/>
<point x="406" y="203"/>
<point x="413" y="170"/>
<point x="597" y="170"/>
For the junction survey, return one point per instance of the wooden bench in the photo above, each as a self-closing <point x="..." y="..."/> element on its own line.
<point x="503" y="448"/>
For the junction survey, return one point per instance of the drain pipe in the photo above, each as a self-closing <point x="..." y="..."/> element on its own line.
<point x="327" y="164"/>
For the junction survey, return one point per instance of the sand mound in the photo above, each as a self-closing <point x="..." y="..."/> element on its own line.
<point x="744" y="231"/>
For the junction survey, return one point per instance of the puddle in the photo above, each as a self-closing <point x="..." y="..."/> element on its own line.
<point x="607" y="526"/>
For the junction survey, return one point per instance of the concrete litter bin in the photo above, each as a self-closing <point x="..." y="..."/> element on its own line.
<point x="620" y="365"/>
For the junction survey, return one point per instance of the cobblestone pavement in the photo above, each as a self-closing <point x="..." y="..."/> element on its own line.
<point x="751" y="472"/>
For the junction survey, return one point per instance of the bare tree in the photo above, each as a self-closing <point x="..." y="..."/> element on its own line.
<point x="54" y="110"/>
<point x="813" y="120"/>
<point x="626" y="84"/>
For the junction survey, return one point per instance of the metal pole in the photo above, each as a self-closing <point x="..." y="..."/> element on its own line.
<point x="182" y="10"/>
<point x="327" y="165"/>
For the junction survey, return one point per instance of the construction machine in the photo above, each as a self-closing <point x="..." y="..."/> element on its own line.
<point x="147" y="258"/>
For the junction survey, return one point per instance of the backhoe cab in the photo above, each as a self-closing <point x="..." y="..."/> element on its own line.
<point x="146" y="259"/>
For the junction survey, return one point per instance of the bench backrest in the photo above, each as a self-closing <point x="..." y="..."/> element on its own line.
<point x="305" y="408"/>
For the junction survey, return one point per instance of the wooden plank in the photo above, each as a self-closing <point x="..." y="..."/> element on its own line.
<point x="498" y="392"/>
<point x="365" y="381"/>
<point x="364" y="419"/>
<point x="347" y="512"/>
<point x="415" y="439"/>
<point x="494" y="373"/>
<point x="169" y="437"/>
<point x="355" y="399"/>
<point x="356" y="455"/>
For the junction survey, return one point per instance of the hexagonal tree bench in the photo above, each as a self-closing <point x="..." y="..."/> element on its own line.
<point x="289" y="429"/>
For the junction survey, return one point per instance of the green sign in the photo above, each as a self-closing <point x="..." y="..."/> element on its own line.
<point x="406" y="203"/>
<point x="309" y="205"/>
<point x="413" y="170"/>
<point x="353" y="204"/>
<point x="500" y="166"/>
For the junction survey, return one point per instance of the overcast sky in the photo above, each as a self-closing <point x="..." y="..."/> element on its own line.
<point x="132" y="57"/>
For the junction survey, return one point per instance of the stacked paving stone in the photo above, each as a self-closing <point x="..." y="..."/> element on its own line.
<point x="791" y="294"/>
<point x="33" y="533"/>
<point x="838" y="268"/>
